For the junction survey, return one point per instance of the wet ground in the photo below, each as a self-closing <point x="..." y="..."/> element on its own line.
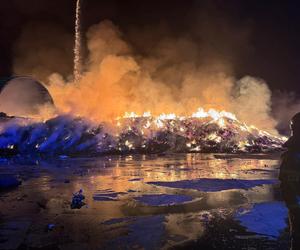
<point x="176" y="201"/>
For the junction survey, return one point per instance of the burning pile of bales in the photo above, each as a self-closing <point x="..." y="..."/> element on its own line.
<point x="66" y="135"/>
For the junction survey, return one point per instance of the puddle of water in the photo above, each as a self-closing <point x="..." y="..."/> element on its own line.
<point x="149" y="202"/>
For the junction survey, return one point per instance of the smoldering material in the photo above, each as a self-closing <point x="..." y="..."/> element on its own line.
<point x="67" y="135"/>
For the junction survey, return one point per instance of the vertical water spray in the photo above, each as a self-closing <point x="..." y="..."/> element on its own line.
<point x="77" y="46"/>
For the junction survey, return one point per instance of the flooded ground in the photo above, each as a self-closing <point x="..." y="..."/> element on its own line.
<point x="176" y="201"/>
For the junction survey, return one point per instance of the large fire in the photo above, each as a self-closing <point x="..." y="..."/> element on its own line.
<point x="202" y="131"/>
<point x="176" y="77"/>
<point x="210" y="130"/>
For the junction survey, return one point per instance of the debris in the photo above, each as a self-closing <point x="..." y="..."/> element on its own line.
<point x="77" y="200"/>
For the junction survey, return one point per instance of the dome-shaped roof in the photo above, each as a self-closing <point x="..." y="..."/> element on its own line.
<point x="22" y="96"/>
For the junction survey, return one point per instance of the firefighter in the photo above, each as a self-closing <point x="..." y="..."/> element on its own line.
<point x="290" y="180"/>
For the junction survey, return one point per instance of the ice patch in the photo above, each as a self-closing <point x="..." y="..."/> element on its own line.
<point x="109" y="196"/>
<point x="214" y="185"/>
<point x="163" y="199"/>
<point x="267" y="219"/>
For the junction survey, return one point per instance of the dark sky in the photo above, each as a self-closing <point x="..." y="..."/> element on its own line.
<point x="273" y="46"/>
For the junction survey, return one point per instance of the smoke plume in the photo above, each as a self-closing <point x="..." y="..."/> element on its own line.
<point x="118" y="80"/>
<point x="149" y="70"/>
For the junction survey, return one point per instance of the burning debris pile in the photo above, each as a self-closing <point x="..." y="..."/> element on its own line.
<point x="210" y="131"/>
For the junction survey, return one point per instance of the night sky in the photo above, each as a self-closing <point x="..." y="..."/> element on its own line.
<point x="271" y="50"/>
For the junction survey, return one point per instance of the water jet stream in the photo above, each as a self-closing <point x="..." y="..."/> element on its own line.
<point x="77" y="46"/>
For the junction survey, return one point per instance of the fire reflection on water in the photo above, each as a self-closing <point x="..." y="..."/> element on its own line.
<point x="112" y="184"/>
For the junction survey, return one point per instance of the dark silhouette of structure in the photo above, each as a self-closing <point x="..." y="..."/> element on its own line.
<point x="290" y="180"/>
<point x="22" y="96"/>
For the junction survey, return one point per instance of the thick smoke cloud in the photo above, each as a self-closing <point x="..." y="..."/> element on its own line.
<point x="149" y="69"/>
<point x="118" y="80"/>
